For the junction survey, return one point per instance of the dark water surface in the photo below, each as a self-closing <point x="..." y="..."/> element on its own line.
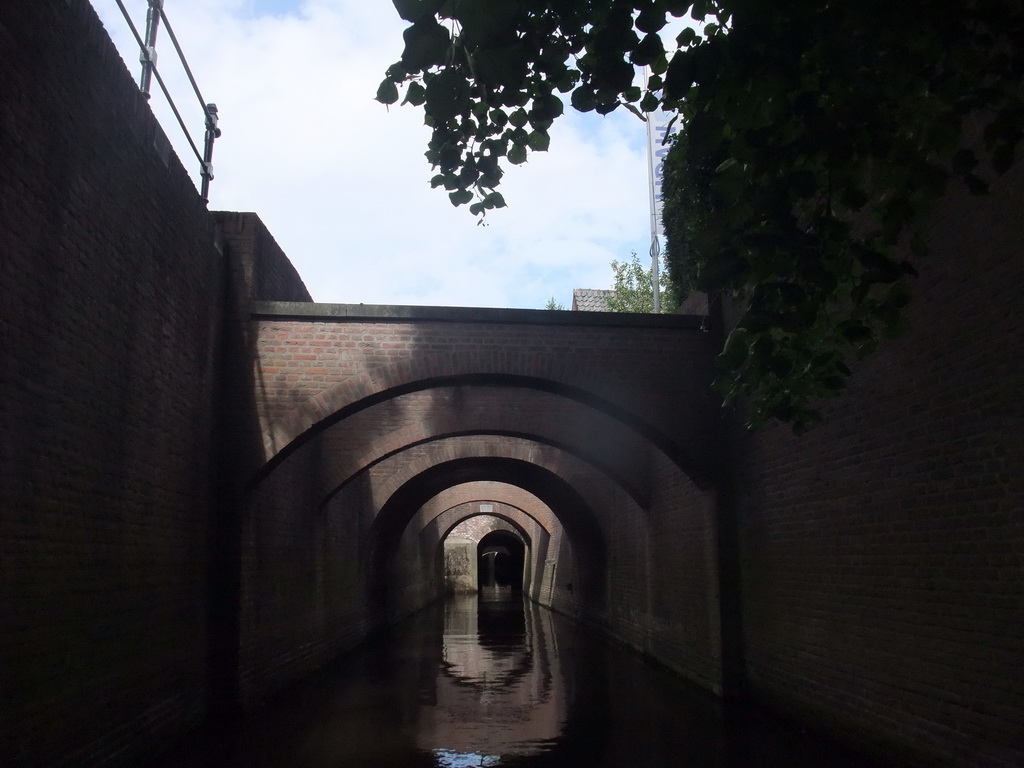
<point x="469" y="683"/>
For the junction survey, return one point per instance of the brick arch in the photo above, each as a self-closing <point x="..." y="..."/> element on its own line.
<point x="457" y="518"/>
<point x="640" y="495"/>
<point x="547" y="533"/>
<point x="387" y="477"/>
<point x="437" y="531"/>
<point x="512" y="496"/>
<point x="572" y="510"/>
<point x="378" y="432"/>
<point x="678" y="428"/>
<point x="543" y="538"/>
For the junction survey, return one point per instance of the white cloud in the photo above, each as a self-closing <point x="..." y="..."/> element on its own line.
<point x="342" y="184"/>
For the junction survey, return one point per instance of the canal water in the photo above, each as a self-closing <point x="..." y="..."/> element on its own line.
<point x="505" y="683"/>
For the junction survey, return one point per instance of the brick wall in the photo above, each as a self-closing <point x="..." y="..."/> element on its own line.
<point x="882" y="571"/>
<point x="302" y="586"/>
<point x="316" y="362"/>
<point x="265" y="271"/>
<point x="111" y="291"/>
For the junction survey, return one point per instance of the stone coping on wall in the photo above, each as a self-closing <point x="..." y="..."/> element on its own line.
<point x="399" y="313"/>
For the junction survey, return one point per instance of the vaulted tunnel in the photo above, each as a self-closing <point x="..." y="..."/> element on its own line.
<point x="566" y="504"/>
<point x="368" y="481"/>
<point x="461" y="528"/>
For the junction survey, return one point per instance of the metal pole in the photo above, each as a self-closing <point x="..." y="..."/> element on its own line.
<point x="212" y="132"/>
<point x="147" y="56"/>
<point x="656" y="272"/>
<point x="655" y="224"/>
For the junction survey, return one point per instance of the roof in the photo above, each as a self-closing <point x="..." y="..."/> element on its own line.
<point x="591" y="299"/>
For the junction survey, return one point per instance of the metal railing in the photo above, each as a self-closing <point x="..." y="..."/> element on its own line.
<point x="147" y="57"/>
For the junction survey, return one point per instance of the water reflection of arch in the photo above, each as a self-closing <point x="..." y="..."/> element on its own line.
<point x="460" y="656"/>
<point x="533" y="702"/>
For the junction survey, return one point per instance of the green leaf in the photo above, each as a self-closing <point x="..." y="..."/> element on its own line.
<point x="584" y="99"/>
<point x="387" y="93"/>
<point x="426" y="45"/>
<point x="539" y="141"/>
<point x="487" y="22"/>
<point x="679" y="76"/>
<point x="651" y="18"/>
<point x="686" y="37"/>
<point x="460" y="196"/>
<point x="517" y="154"/>
<point x="416" y="94"/>
<point x="495" y="200"/>
<point x="649" y="102"/>
<point x="546" y="108"/>
<point x="647" y="52"/>
<point x="446" y="95"/>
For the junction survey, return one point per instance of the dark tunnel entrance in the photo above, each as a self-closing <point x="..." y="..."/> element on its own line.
<point x="501" y="558"/>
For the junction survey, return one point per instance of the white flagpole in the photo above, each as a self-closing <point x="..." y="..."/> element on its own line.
<point x="655" y="224"/>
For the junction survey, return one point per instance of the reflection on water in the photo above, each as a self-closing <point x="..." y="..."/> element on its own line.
<point x="503" y="683"/>
<point x="499" y="692"/>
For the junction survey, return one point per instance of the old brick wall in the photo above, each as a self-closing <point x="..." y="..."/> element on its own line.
<point x="682" y="590"/>
<point x="264" y="269"/>
<point x="302" y="581"/>
<point x="111" y="291"/>
<point x="317" y="361"/>
<point x="882" y="570"/>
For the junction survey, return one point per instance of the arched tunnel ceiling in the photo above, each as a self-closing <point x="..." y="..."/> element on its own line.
<point x="441" y="515"/>
<point x="462" y="522"/>
<point x="379" y="431"/>
<point x="549" y="411"/>
<point x="396" y="452"/>
<point x="594" y="489"/>
<point x="461" y="502"/>
<point x="570" y="507"/>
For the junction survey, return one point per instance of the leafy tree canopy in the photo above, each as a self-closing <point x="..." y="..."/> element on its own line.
<point x="634" y="288"/>
<point x="815" y="138"/>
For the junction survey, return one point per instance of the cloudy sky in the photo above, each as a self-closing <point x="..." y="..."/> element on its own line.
<point x="341" y="181"/>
